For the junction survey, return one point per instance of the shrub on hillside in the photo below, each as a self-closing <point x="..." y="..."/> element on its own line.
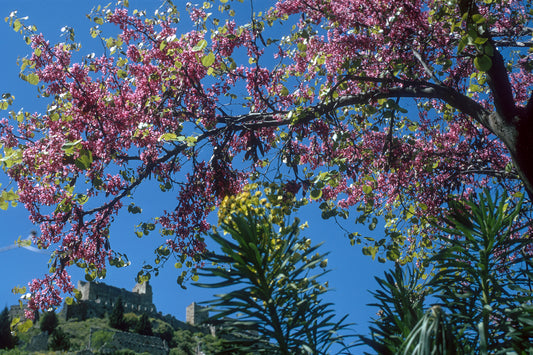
<point x="49" y="322"/>
<point x="59" y="341"/>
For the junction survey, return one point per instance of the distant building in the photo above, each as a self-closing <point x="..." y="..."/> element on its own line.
<point x="196" y="314"/>
<point x="97" y="299"/>
<point x="18" y="311"/>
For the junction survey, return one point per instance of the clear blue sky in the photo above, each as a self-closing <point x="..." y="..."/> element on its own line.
<point x="352" y="273"/>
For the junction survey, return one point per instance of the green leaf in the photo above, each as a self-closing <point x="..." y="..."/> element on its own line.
<point x="373" y="225"/>
<point x="480" y="40"/>
<point x="478" y="19"/>
<point x="488" y="49"/>
<point x="9" y="195"/>
<point x="372" y="251"/>
<point x="17" y="25"/>
<point x="191" y="141"/>
<point x="462" y="44"/>
<point x="474" y="88"/>
<point x="316" y="194"/>
<point x="134" y="209"/>
<point x="208" y="60"/>
<point x="71" y="147"/>
<point x="410" y="213"/>
<point x="84" y="160"/>
<point x="82" y="199"/>
<point x="3" y="204"/>
<point x="483" y="63"/>
<point x="30" y="78"/>
<point x="168" y="137"/>
<point x="200" y="46"/>
<point x="122" y="74"/>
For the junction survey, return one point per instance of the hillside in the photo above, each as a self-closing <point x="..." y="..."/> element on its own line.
<point x="94" y="335"/>
<point x="107" y="319"/>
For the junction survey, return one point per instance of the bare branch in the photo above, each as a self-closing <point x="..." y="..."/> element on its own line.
<point x="426" y="67"/>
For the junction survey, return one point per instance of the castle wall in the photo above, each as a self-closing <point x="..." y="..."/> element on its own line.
<point x="135" y="342"/>
<point x="97" y="299"/>
<point x="100" y="292"/>
<point x="140" y="343"/>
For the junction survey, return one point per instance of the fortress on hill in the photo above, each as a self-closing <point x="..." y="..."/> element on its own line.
<point x="97" y="299"/>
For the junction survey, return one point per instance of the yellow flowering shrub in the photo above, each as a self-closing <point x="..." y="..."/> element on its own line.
<point x="260" y="198"/>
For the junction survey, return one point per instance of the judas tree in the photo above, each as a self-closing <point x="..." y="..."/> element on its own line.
<point x="386" y="108"/>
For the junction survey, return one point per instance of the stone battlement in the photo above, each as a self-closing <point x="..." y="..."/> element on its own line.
<point x="134" y="342"/>
<point x="98" y="298"/>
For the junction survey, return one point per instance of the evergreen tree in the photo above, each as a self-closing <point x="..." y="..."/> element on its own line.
<point x="468" y="306"/>
<point x="59" y="340"/>
<point x="7" y="341"/>
<point x="276" y="304"/>
<point x="144" y="327"/>
<point x="165" y="332"/>
<point x="49" y="322"/>
<point x="116" y="319"/>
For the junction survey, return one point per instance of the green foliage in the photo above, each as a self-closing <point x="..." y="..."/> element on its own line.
<point x="131" y="320"/>
<point x="49" y="322"/>
<point x="400" y="300"/>
<point x="127" y="352"/>
<point x="96" y="332"/>
<point x="209" y="344"/>
<point x="480" y="269"/>
<point x="433" y="334"/>
<point x="187" y="343"/>
<point x="520" y="328"/>
<point x="14" y="351"/>
<point x="165" y="332"/>
<point x="481" y="282"/>
<point x="276" y="306"/>
<point x="144" y="326"/>
<point x="59" y="340"/>
<point x="7" y="341"/>
<point x="100" y="337"/>
<point x="116" y="319"/>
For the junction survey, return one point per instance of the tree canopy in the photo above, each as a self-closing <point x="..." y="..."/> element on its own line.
<point x="116" y="319"/>
<point x="385" y="109"/>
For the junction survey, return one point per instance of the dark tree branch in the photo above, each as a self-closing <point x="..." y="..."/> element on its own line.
<point x="501" y="88"/>
<point x="512" y="43"/>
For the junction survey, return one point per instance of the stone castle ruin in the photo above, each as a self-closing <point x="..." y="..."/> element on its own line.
<point x="97" y="299"/>
<point x="196" y="315"/>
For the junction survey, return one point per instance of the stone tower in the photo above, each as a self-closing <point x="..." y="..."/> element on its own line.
<point x="145" y="291"/>
<point x="196" y="314"/>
